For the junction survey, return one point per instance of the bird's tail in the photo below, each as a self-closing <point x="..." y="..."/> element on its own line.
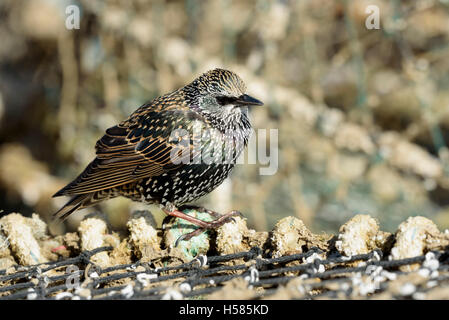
<point x="79" y="201"/>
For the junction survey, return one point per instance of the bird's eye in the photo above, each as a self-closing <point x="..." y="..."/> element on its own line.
<point x="224" y="100"/>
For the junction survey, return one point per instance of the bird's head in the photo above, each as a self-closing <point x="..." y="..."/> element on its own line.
<point x="220" y="95"/>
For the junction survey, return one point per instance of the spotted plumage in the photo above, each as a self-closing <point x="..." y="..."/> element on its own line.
<point x="170" y="151"/>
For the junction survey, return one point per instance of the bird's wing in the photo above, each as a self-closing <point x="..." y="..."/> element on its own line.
<point x="145" y="145"/>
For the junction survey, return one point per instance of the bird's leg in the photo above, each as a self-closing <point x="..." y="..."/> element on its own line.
<point x="179" y="214"/>
<point x="203" y="225"/>
<point x="201" y="209"/>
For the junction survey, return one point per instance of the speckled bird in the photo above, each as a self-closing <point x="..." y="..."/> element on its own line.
<point x="158" y="154"/>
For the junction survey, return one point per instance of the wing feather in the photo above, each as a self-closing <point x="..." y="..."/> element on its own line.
<point x="136" y="148"/>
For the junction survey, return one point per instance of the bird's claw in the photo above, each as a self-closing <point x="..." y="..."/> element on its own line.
<point x="190" y="235"/>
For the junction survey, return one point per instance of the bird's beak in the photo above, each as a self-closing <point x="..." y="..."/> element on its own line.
<point x="246" y="100"/>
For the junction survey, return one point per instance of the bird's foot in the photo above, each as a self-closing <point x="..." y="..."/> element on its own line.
<point x="220" y="220"/>
<point x="190" y="235"/>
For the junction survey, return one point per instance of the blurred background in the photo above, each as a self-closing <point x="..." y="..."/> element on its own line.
<point x="362" y="114"/>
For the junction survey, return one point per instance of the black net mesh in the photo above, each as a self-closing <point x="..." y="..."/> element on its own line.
<point x="245" y="275"/>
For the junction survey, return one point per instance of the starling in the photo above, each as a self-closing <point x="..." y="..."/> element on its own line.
<point x="170" y="151"/>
